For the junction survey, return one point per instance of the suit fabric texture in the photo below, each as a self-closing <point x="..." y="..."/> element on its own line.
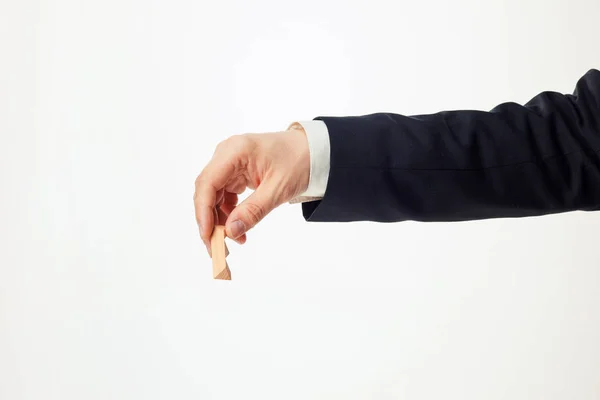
<point x="539" y="158"/>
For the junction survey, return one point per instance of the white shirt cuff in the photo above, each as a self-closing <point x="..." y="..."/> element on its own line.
<point x="318" y="146"/>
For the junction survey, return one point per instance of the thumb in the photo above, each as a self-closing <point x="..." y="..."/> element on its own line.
<point x="251" y="211"/>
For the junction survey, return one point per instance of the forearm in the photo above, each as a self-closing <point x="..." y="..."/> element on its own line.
<point x="513" y="161"/>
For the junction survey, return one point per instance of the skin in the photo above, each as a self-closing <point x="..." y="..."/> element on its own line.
<point x="275" y="165"/>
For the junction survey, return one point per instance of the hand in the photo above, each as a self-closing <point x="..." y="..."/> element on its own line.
<point x="275" y="165"/>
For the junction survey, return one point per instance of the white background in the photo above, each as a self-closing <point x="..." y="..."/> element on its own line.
<point x="108" y="111"/>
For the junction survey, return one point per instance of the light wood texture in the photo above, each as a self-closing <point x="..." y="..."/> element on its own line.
<point x="219" y="252"/>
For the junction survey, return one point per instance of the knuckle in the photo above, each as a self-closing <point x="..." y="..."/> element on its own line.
<point x="255" y="212"/>
<point x="241" y="143"/>
<point x="198" y="182"/>
<point x="236" y="145"/>
<point x="202" y="182"/>
<point x="222" y="145"/>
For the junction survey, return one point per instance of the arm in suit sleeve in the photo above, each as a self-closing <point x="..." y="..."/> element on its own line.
<point x="513" y="161"/>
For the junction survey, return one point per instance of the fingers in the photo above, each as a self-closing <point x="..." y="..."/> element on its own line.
<point x="237" y="185"/>
<point x="225" y="208"/>
<point x="222" y="221"/>
<point x="221" y="216"/>
<point x="220" y="196"/>
<point x="251" y="211"/>
<point x="230" y="200"/>
<point x="209" y="185"/>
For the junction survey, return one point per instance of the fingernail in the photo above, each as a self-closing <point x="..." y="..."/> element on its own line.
<point x="237" y="229"/>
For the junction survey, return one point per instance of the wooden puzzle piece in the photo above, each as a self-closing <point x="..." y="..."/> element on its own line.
<point x="219" y="253"/>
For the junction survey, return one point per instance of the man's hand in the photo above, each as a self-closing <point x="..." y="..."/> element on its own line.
<point x="275" y="165"/>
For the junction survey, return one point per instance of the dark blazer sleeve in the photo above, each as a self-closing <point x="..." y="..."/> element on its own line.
<point x="513" y="161"/>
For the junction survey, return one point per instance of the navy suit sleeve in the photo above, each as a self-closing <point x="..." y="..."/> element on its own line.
<point x="513" y="161"/>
